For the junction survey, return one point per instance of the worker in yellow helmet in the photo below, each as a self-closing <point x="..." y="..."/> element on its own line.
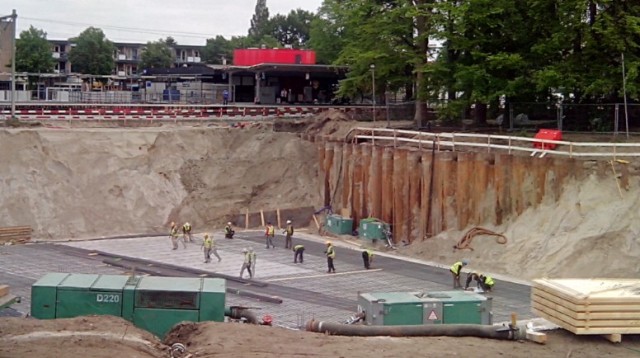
<point x="367" y="258"/>
<point x="456" y="270"/>
<point x="331" y="255"/>
<point x="228" y="231"/>
<point x="173" y="234"/>
<point x="186" y="232"/>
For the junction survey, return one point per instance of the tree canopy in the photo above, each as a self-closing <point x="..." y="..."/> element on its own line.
<point x="260" y="21"/>
<point x="158" y="54"/>
<point x="33" y="52"/>
<point x="92" y="53"/>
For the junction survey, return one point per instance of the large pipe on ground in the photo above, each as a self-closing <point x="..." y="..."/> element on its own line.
<point x="436" y="330"/>
<point x="240" y="313"/>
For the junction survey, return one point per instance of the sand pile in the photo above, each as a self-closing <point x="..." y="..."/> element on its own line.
<point x="590" y="232"/>
<point x="69" y="183"/>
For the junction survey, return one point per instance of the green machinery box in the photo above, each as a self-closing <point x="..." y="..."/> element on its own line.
<point x="417" y="308"/>
<point x="372" y="229"/>
<point x="339" y="225"/>
<point x="152" y="303"/>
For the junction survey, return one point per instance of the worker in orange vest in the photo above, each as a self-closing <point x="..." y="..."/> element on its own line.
<point x="270" y="233"/>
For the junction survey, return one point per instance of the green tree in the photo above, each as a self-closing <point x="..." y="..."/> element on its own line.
<point x="326" y="35"/>
<point x="93" y="53"/>
<point x="33" y="53"/>
<point x="157" y="54"/>
<point x="216" y="49"/>
<point x="293" y="29"/>
<point x="260" y="21"/>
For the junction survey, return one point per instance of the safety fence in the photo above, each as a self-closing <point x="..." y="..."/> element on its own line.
<point x="490" y="142"/>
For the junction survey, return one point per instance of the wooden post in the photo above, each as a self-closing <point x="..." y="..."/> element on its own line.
<point x="278" y="215"/>
<point x="328" y="162"/>
<point x="414" y="175"/>
<point x="375" y="183"/>
<point x="246" y="219"/>
<point x="426" y="195"/>
<point x="464" y="181"/>
<point x="347" y="177"/>
<point x="356" y="204"/>
<point x="366" y="171"/>
<point x="386" y="201"/>
<point x="262" y="217"/>
<point x="399" y="197"/>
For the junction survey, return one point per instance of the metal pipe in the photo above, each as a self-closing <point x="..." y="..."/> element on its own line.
<point x="240" y="313"/>
<point x="436" y="330"/>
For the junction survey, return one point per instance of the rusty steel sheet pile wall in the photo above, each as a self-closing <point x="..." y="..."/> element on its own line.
<point x="423" y="192"/>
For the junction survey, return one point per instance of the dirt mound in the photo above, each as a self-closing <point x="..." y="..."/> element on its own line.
<point x="591" y="231"/>
<point x="69" y="183"/>
<point x="90" y="336"/>
<point x="243" y="340"/>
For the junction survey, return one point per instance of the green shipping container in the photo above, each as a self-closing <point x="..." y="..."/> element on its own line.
<point x="338" y="225"/>
<point x="152" y="303"/>
<point x="391" y="308"/>
<point x="371" y="229"/>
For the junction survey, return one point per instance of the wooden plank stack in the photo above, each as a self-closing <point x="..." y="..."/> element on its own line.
<point x="589" y="306"/>
<point x="15" y="234"/>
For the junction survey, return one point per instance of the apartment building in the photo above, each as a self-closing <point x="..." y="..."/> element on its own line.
<point x="126" y="56"/>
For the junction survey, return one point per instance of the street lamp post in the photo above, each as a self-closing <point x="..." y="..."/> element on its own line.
<point x="373" y="89"/>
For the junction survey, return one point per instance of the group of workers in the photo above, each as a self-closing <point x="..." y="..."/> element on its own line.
<point x="484" y="282"/>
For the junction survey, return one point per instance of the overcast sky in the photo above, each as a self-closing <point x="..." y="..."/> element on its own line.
<point x="189" y="22"/>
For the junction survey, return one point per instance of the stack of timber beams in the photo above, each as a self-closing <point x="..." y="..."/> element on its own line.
<point x="589" y="306"/>
<point x="15" y="234"/>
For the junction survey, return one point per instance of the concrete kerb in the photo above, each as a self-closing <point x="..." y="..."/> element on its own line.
<point x="339" y="242"/>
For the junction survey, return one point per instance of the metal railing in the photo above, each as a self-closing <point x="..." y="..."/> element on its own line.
<point x="491" y="142"/>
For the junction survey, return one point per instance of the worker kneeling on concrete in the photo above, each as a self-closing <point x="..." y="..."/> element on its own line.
<point x="484" y="282"/>
<point x="228" y="231"/>
<point x="367" y="258"/>
<point x="298" y="254"/>
<point x="456" y="269"/>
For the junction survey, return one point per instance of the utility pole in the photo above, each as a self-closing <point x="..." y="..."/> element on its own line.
<point x="373" y="86"/>
<point x="13" y="18"/>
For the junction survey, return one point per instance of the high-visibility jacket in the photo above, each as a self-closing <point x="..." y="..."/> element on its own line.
<point x="208" y="242"/>
<point x="253" y="257"/>
<point x="247" y="257"/>
<point x="298" y="247"/>
<point x="186" y="227"/>
<point x="289" y="230"/>
<point x="369" y="253"/>
<point x="456" y="268"/>
<point x="271" y="231"/>
<point x="331" y="252"/>
<point x="228" y="229"/>
<point x="174" y="232"/>
<point x="488" y="281"/>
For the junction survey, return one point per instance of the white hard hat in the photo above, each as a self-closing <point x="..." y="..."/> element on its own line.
<point x="245" y="250"/>
<point x="288" y="221"/>
<point x="229" y="223"/>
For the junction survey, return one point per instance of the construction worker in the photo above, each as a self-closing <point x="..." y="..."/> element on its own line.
<point x="228" y="231"/>
<point x="173" y="234"/>
<point x="186" y="232"/>
<point x="207" y="244"/>
<point x="246" y="264"/>
<point x="456" y="269"/>
<point x="483" y="281"/>
<point x="270" y="233"/>
<point x="298" y="253"/>
<point x="254" y="256"/>
<point x="331" y="254"/>
<point x="288" y="231"/>
<point x="367" y="258"/>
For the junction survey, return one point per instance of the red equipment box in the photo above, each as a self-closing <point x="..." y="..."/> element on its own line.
<point x="255" y="56"/>
<point x="550" y="134"/>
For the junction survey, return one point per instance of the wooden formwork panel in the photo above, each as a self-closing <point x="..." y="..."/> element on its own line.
<point x="589" y="306"/>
